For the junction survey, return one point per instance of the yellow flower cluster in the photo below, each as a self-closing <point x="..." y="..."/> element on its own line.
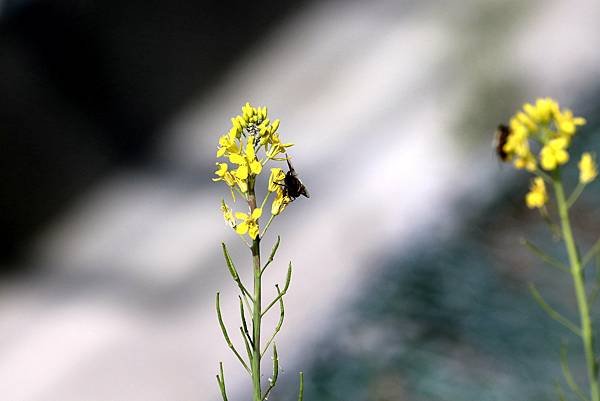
<point x="547" y="124"/>
<point x="537" y="195"/>
<point x="251" y="133"/>
<point x="547" y="127"/>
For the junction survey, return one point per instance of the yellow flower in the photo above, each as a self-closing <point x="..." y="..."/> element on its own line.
<point x="227" y="214"/>
<point x="527" y="162"/>
<point x="537" y="195"/>
<point x="543" y="110"/>
<point x="517" y="145"/>
<point x="587" y="168"/>
<point x="277" y="175"/>
<point x="517" y="141"/>
<point x="528" y="122"/>
<point x="277" y="147"/>
<point x="249" y="223"/>
<point x="554" y="153"/>
<point x="280" y="202"/>
<point x="247" y="165"/>
<point x="228" y="142"/>
<point x="224" y="175"/>
<point x="252" y="115"/>
<point x="567" y="123"/>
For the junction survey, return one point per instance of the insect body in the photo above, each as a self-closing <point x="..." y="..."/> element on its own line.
<point x="501" y="137"/>
<point x="293" y="187"/>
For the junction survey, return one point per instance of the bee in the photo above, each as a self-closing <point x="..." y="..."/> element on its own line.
<point x="501" y="137"/>
<point x="292" y="185"/>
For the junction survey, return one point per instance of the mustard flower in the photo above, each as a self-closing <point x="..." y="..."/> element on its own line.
<point x="545" y="123"/>
<point x="224" y="175"/>
<point x="247" y="165"/>
<point x="566" y="123"/>
<point x="277" y="175"/>
<point x="527" y="121"/>
<point x="554" y="153"/>
<point x="280" y="202"/>
<point x="537" y="195"/>
<point x="517" y="141"/>
<point x="277" y="147"/>
<point x="251" y="132"/>
<point x="251" y="142"/>
<point x="228" y="215"/>
<point x="527" y="162"/>
<point x="228" y="143"/>
<point x="517" y="146"/>
<point x="543" y="111"/>
<point x="249" y="223"/>
<point x="588" y="170"/>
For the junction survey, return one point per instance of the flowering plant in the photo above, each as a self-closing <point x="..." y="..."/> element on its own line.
<point x="549" y="129"/>
<point x="251" y="135"/>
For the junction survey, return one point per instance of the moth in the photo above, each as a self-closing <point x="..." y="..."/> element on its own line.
<point x="501" y="137"/>
<point x="292" y="185"/>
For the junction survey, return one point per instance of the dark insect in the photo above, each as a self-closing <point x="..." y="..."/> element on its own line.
<point x="292" y="185"/>
<point x="501" y="137"/>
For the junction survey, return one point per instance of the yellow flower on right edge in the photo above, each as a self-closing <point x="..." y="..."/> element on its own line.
<point x="544" y="126"/>
<point x="545" y="123"/>
<point x="588" y="170"/>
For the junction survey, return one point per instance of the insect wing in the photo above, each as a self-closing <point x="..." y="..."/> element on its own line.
<point x="500" y="140"/>
<point x="303" y="190"/>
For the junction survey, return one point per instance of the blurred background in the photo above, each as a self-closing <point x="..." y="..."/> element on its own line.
<point x="410" y="283"/>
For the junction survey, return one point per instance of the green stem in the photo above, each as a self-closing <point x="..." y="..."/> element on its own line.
<point x="575" y="195"/>
<point x="267" y="196"/>
<point x="267" y="226"/>
<point x="256" y="310"/>
<point x="587" y="334"/>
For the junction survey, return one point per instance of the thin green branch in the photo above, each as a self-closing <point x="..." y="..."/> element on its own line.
<point x="268" y="224"/>
<point x="247" y="344"/>
<point x="554" y="228"/>
<point x="564" y="363"/>
<point x="559" y="392"/>
<point x="273" y="251"/>
<point x="226" y="336"/>
<point x="273" y="378"/>
<point x="282" y="293"/>
<point x="221" y="381"/>
<point x="543" y="175"/>
<point x="235" y="276"/>
<point x="575" y="195"/>
<point x="544" y="256"/>
<point x="552" y="312"/>
<point x="245" y="332"/>
<point x="279" y="323"/>
<point x="245" y="241"/>
<point x="594" y="294"/>
<point x="587" y="332"/>
<point x="590" y="254"/>
<point x="301" y="391"/>
<point x="267" y="196"/>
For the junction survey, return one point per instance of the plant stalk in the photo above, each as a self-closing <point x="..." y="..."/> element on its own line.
<point x="256" y="315"/>
<point x="587" y="335"/>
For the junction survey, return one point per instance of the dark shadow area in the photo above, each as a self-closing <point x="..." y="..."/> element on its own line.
<point x="86" y="86"/>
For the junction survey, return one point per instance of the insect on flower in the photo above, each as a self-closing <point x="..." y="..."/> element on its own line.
<point x="292" y="185"/>
<point x="500" y="140"/>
